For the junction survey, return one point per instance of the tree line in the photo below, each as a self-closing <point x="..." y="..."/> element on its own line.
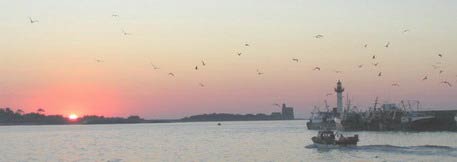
<point x="18" y="117"/>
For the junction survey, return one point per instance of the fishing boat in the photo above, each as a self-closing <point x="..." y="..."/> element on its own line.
<point x="330" y="139"/>
<point x="321" y="121"/>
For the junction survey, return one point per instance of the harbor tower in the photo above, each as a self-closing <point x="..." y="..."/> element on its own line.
<point x="339" y="96"/>
<point x="287" y="112"/>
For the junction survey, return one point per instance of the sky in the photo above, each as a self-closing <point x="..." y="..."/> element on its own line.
<point x="52" y="64"/>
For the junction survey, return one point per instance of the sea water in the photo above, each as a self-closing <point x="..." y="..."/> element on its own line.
<point x="206" y="141"/>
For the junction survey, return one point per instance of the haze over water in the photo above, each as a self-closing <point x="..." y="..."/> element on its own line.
<point x="79" y="58"/>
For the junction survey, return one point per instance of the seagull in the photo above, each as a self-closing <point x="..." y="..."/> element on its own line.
<point x="375" y="64"/>
<point x="154" y="67"/>
<point x="387" y="45"/>
<point x="99" y="60"/>
<point x="328" y="94"/>
<point x="201" y="84"/>
<point x="337" y="71"/>
<point x="32" y="21"/>
<point x="365" y="46"/>
<point x="258" y="72"/>
<point x="379" y="74"/>
<point x="395" y="85"/>
<point x="275" y="104"/>
<point x="239" y="53"/>
<point x="440" y="55"/>
<point x="374" y="57"/>
<point x="295" y="59"/>
<point x="246" y="44"/>
<point x="115" y="15"/>
<point x="203" y="63"/>
<point x="406" y="30"/>
<point x="360" y="66"/>
<point x="446" y="82"/>
<point x="196" y="67"/>
<point x="318" y="36"/>
<point x="441" y="71"/>
<point x="425" y="78"/>
<point x="317" y="68"/>
<point x="171" y="74"/>
<point x="125" y="33"/>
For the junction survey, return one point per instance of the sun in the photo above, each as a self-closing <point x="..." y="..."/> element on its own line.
<point x="72" y="116"/>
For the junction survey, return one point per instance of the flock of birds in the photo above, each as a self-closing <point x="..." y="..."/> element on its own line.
<point x="259" y="72"/>
<point x="387" y="45"/>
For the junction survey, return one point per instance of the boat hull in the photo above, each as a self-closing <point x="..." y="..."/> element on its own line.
<point x="346" y="141"/>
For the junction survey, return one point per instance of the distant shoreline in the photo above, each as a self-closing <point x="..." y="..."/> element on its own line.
<point x="19" y="117"/>
<point x="146" y="122"/>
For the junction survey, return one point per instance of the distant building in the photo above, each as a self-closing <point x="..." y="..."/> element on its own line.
<point x="276" y="116"/>
<point x="287" y="112"/>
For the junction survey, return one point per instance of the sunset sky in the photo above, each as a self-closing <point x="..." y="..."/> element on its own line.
<point x="52" y="64"/>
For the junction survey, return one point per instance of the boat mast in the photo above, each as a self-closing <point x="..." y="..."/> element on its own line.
<point x="375" y="103"/>
<point x="403" y="105"/>
<point x="326" y="105"/>
<point x="348" y="105"/>
<point x="409" y="106"/>
<point x="418" y="103"/>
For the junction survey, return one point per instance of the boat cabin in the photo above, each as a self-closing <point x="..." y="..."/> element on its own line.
<point x="326" y="134"/>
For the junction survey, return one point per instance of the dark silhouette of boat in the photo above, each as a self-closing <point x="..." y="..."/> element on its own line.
<point x="329" y="138"/>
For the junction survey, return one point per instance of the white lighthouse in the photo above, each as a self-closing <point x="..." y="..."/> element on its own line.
<point x="339" y="96"/>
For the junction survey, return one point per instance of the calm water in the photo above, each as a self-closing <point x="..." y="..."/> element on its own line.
<point x="233" y="141"/>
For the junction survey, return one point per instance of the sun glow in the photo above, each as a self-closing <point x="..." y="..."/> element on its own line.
<point x="72" y="116"/>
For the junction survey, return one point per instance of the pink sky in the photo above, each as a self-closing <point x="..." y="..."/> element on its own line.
<point x="52" y="64"/>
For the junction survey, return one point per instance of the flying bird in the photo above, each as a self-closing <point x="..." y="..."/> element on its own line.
<point x="115" y="15"/>
<point x="201" y="84"/>
<point x="395" y="85"/>
<point x="125" y="33"/>
<point x="379" y="74"/>
<point x="373" y="57"/>
<point x="406" y="30"/>
<point x="154" y="67"/>
<point x="317" y="68"/>
<point x="441" y="71"/>
<point x="440" y="55"/>
<point x="425" y="78"/>
<point x="365" y="46"/>
<point x="435" y="66"/>
<point x="99" y="60"/>
<point x="171" y="74"/>
<point x="337" y="71"/>
<point x="32" y="21"/>
<point x="239" y="53"/>
<point x="295" y="59"/>
<point x="275" y="104"/>
<point x="328" y="94"/>
<point x="387" y="45"/>
<point x="375" y="64"/>
<point x="446" y="82"/>
<point x="318" y="36"/>
<point x="360" y="66"/>
<point x="258" y="72"/>
<point x="246" y="44"/>
<point x="203" y="63"/>
<point x="196" y="67"/>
